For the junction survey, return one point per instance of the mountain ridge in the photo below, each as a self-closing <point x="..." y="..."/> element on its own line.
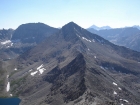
<point x="128" y="37"/>
<point x="100" y="28"/>
<point x="24" y="38"/>
<point x="74" y="66"/>
<point x="33" y="31"/>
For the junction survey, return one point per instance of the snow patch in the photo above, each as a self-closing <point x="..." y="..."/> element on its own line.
<point x="33" y="73"/>
<point x="15" y="69"/>
<point x="11" y="44"/>
<point x="78" y="35"/>
<point x="104" y="68"/>
<point x="115" y="93"/>
<point x="7" y="76"/>
<point x="39" y="67"/>
<point x="86" y="39"/>
<point x="88" y="49"/>
<point x="119" y="88"/>
<point x="41" y="70"/>
<point x="101" y="67"/>
<point x="8" y="86"/>
<point x="5" y="42"/>
<point x="95" y="57"/>
<point x="124" y="100"/>
<point x="30" y="70"/>
<point x="114" y="84"/>
<point x="93" y="40"/>
<point x="11" y="95"/>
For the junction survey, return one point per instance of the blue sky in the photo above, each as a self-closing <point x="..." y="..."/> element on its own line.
<point x="56" y="13"/>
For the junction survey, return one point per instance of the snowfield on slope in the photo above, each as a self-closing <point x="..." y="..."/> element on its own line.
<point x="40" y="69"/>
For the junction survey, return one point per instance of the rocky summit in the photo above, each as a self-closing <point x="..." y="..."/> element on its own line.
<point x="74" y="67"/>
<point x="15" y="42"/>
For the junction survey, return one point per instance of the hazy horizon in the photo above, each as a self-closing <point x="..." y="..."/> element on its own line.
<point x="113" y="13"/>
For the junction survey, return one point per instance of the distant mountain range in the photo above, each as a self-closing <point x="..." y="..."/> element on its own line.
<point x="136" y="26"/>
<point x="128" y="36"/>
<point x="100" y="28"/>
<point x="108" y="27"/>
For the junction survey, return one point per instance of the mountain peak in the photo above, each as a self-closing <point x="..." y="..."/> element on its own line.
<point x="73" y="31"/>
<point x="70" y="24"/>
<point x="100" y="28"/>
<point x="69" y="29"/>
<point x="33" y="32"/>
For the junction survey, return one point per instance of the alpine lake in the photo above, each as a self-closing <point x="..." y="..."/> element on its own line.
<point x="9" y="101"/>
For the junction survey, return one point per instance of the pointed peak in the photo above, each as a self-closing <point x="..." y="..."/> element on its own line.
<point x="69" y="31"/>
<point x="70" y="25"/>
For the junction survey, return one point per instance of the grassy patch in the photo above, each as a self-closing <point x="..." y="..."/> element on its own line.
<point x="18" y="81"/>
<point x="1" y="84"/>
<point x="2" y="71"/>
<point x="4" y="97"/>
<point x="15" y="84"/>
<point x="12" y="73"/>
